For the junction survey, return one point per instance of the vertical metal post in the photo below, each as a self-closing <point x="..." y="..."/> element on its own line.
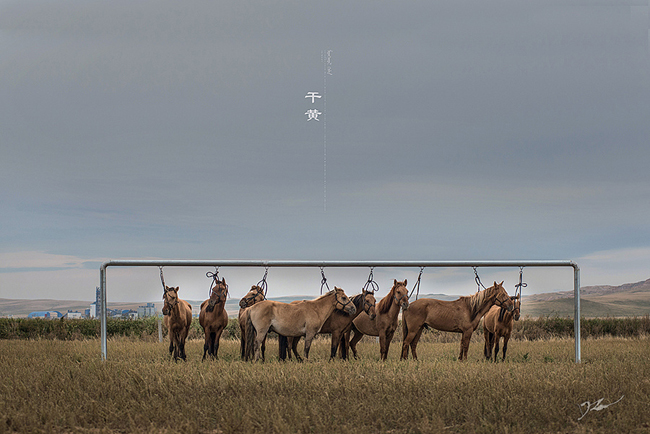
<point x="576" y="312"/>
<point x="102" y="295"/>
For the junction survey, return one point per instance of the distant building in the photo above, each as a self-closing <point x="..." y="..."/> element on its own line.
<point x="73" y="315"/>
<point x="148" y="310"/>
<point x="96" y="305"/>
<point x="46" y="314"/>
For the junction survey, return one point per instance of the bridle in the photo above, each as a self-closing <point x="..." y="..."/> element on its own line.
<point x="404" y="297"/>
<point x="170" y="304"/>
<point x="366" y="304"/>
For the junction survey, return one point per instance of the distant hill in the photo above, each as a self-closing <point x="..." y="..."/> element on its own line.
<point x="630" y="299"/>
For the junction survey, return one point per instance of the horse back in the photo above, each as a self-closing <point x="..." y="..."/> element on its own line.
<point x="365" y="325"/>
<point x="443" y="315"/>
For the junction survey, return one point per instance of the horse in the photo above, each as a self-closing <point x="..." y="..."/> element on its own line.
<point x="254" y="295"/>
<point x="460" y="316"/>
<point x="300" y="319"/>
<point x="496" y="324"/>
<point x="178" y="318"/>
<point x="337" y="324"/>
<point x="384" y="324"/>
<point x="214" y="318"/>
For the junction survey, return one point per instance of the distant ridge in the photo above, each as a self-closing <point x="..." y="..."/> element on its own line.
<point x="629" y="299"/>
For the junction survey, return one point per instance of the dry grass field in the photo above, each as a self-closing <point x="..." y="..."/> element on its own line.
<point x="64" y="386"/>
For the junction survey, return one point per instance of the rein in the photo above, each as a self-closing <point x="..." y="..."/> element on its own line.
<point x="262" y="283"/>
<point x="323" y="281"/>
<point x="477" y="279"/>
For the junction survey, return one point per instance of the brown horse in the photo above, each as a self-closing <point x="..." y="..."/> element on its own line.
<point x="178" y="318"/>
<point x="255" y="295"/>
<point x="460" y="316"/>
<point x="385" y="323"/>
<point x="299" y="319"/>
<point x="213" y="317"/>
<point x="496" y="324"/>
<point x="338" y="324"/>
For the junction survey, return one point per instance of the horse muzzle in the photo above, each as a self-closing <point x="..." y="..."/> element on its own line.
<point x="350" y="309"/>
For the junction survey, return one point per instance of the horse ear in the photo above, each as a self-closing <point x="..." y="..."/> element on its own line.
<point x="223" y="280"/>
<point x="501" y="284"/>
<point x="405" y="282"/>
<point x="176" y="289"/>
<point x="395" y="282"/>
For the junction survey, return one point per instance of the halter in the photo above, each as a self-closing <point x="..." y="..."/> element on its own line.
<point x="366" y="304"/>
<point x="477" y="279"/>
<point x="341" y="303"/>
<point x="397" y="300"/>
<point x="215" y="282"/>
<point x="246" y="300"/>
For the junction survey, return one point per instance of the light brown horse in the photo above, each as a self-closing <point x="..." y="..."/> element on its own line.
<point x="213" y="317"/>
<point x="385" y="323"/>
<point x="255" y="295"/>
<point x="460" y="316"/>
<point x="337" y="324"/>
<point x="178" y="318"/>
<point x="498" y="323"/>
<point x="300" y="319"/>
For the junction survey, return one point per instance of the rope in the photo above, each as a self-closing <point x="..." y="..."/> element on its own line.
<point x="477" y="279"/>
<point x="162" y="279"/>
<point x="323" y="281"/>
<point x="521" y="283"/>
<point x="262" y="283"/>
<point x="417" y="285"/>
<point x="215" y="278"/>
<point x="374" y="286"/>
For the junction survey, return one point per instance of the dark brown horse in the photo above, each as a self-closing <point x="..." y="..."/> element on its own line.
<point x="337" y="324"/>
<point x="178" y="318"/>
<point x="460" y="316"/>
<point x="255" y="295"/>
<point x="496" y="324"/>
<point x="300" y="319"/>
<point x="213" y="317"/>
<point x="385" y="323"/>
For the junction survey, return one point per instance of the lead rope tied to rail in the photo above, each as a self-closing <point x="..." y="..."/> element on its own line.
<point x="370" y="283"/>
<point x="477" y="279"/>
<point x="417" y="285"/>
<point x="323" y="281"/>
<point x="215" y="279"/>
<point x="521" y="283"/>
<point x="162" y="279"/>
<point x="262" y="283"/>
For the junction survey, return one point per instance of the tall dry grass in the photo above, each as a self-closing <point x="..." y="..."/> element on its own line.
<point x="64" y="386"/>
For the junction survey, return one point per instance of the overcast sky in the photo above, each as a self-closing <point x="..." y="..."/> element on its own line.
<point x="446" y="130"/>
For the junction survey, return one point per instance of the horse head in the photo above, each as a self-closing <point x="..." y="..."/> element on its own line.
<point x="256" y="294"/>
<point x="342" y="302"/>
<point x="401" y="293"/>
<point x="218" y="294"/>
<point x="517" y="306"/>
<point x="369" y="304"/>
<point x="502" y="299"/>
<point x="170" y="296"/>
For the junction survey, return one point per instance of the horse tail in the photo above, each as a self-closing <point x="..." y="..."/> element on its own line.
<point x="250" y="339"/>
<point x="283" y="343"/>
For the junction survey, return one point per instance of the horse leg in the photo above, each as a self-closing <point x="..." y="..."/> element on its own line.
<point x="206" y="344"/>
<point x="383" y="346"/>
<point x="506" y="338"/>
<point x="259" y="341"/>
<point x="344" y="348"/>
<point x="242" y="345"/>
<point x="336" y="339"/>
<point x="353" y="342"/>
<point x="464" y="344"/>
<point x="414" y="343"/>
<point x="294" y="348"/>
<point x="308" y="338"/>
<point x="489" y="342"/>
<point x="217" y="337"/>
<point x="407" y="342"/>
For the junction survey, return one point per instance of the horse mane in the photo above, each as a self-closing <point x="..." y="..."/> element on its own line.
<point x="476" y="301"/>
<point x="384" y="304"/>
<point x="357" y="300"/>
<point x="330" y="292"/>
